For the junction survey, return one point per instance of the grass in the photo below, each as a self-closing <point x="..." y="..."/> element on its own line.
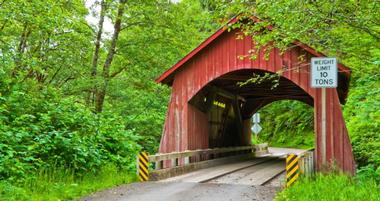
<point x="285" y="141"/>
<point x="62" y="185"/>
<point x="331" y="187"/>
<point x="290" y="145"/>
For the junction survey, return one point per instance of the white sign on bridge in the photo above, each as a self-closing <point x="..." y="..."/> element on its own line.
<point x="324" y="73"/>
<point x="256" y="128"/>
<point x="256" y="118"/>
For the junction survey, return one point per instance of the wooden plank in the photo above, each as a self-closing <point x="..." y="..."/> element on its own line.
<point x="188" y="153"/>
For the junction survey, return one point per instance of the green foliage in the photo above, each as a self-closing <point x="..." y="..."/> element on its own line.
<point x="349" y="30"/>
<point x="258" y="79"/>
<point x="287" y="124"/>
<point x="369" y="172"/>
<point x="37" y="40"/>
<point x="43" y="130"/>
<point x="331" y="187"/>
<point x="52" y="145"/>
<point x="62" y="184"/>
<point x="46" y="49"/>
<point x="362" y="113"/>
<point x="170" y="31"/>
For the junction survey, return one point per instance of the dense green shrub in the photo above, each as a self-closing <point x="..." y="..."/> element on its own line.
<point x="369" y="172"/>
<point x="40" y="130"/>
<point x="362" y="113"/>
<point x="287" y="123"/>
<point x="331" y="187"/>
<point x="62" y="184"/>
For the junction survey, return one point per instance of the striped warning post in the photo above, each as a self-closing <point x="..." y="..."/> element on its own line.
<point x="143" y="166"/>
<point x="292" y="169"/>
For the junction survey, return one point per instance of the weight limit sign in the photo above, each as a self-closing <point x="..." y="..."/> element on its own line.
<point x="324" y="73"/>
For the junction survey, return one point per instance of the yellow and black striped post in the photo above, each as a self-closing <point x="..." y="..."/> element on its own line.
<point x="292" y="169"/>
<point x="143" y="166"/>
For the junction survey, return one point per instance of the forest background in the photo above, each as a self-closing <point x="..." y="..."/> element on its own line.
<point x="78" y="101"/>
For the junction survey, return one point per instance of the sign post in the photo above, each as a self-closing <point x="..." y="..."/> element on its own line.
<point x="256" y="128"/>
<point x="324" y="74"/>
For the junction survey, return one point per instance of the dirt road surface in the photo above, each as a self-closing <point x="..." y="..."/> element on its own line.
<point x="179" y="191"/>
<point x="254" y="180"/>
<point x="239" y="181"/>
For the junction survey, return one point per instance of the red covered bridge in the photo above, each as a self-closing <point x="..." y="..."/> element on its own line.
<point x="208" y="109"/>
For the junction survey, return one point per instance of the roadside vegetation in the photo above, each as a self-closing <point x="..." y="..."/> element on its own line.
<point x="293" y="127"/>
<point x="78" y="100"/>
<point x="332" y="187"/>
<point x="63" y="184"/>
<point x="77" y="97"/>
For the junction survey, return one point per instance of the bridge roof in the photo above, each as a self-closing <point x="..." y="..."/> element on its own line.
<point x="168" y="76"/>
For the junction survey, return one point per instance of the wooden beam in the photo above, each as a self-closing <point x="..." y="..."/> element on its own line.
<point x="174" y="155"/>
<point x="239" y="119"/>
<point x="226" y="93"/>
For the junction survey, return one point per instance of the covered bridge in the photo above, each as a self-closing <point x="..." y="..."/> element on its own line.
<point x="207" y="108"/>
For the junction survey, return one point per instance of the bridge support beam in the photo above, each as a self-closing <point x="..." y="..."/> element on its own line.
<point x="338" y="152"/>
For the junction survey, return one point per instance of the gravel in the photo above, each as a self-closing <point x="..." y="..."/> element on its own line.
<point x="181" y="191"/>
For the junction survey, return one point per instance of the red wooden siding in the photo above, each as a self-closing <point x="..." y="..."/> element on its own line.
<point x="187" y="128"/>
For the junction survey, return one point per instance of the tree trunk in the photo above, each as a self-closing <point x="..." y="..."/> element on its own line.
<point x="92" y="93"/>
<point x="21" y="49"/>
<point x="111" y="52"/>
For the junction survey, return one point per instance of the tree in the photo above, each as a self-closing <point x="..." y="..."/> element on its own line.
<point x="154" y="25"/>
<point x="154" y="36"/>
<point x="95" y="57"/>
<point x="36" y="40"/>
<point x="111" y="52"/>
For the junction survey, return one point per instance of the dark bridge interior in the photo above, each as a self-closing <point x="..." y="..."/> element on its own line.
<point x="229" y="106"/>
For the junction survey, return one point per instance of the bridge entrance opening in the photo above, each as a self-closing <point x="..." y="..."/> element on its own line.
<point x="286" y="123"/>
<point x="229" y="102"/>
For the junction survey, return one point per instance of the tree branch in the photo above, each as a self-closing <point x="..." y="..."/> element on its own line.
<point x="132" y="24"/>
<point x="114" y="74"/>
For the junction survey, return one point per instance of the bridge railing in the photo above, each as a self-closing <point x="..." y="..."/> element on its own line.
<point x="175" y="163"/>
<point x="306" y="163"/>
<point x="183" y="158"/>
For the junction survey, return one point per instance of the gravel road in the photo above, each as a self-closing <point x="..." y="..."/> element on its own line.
<point x="244" y="181"/>
<point x="179" y="191"/>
